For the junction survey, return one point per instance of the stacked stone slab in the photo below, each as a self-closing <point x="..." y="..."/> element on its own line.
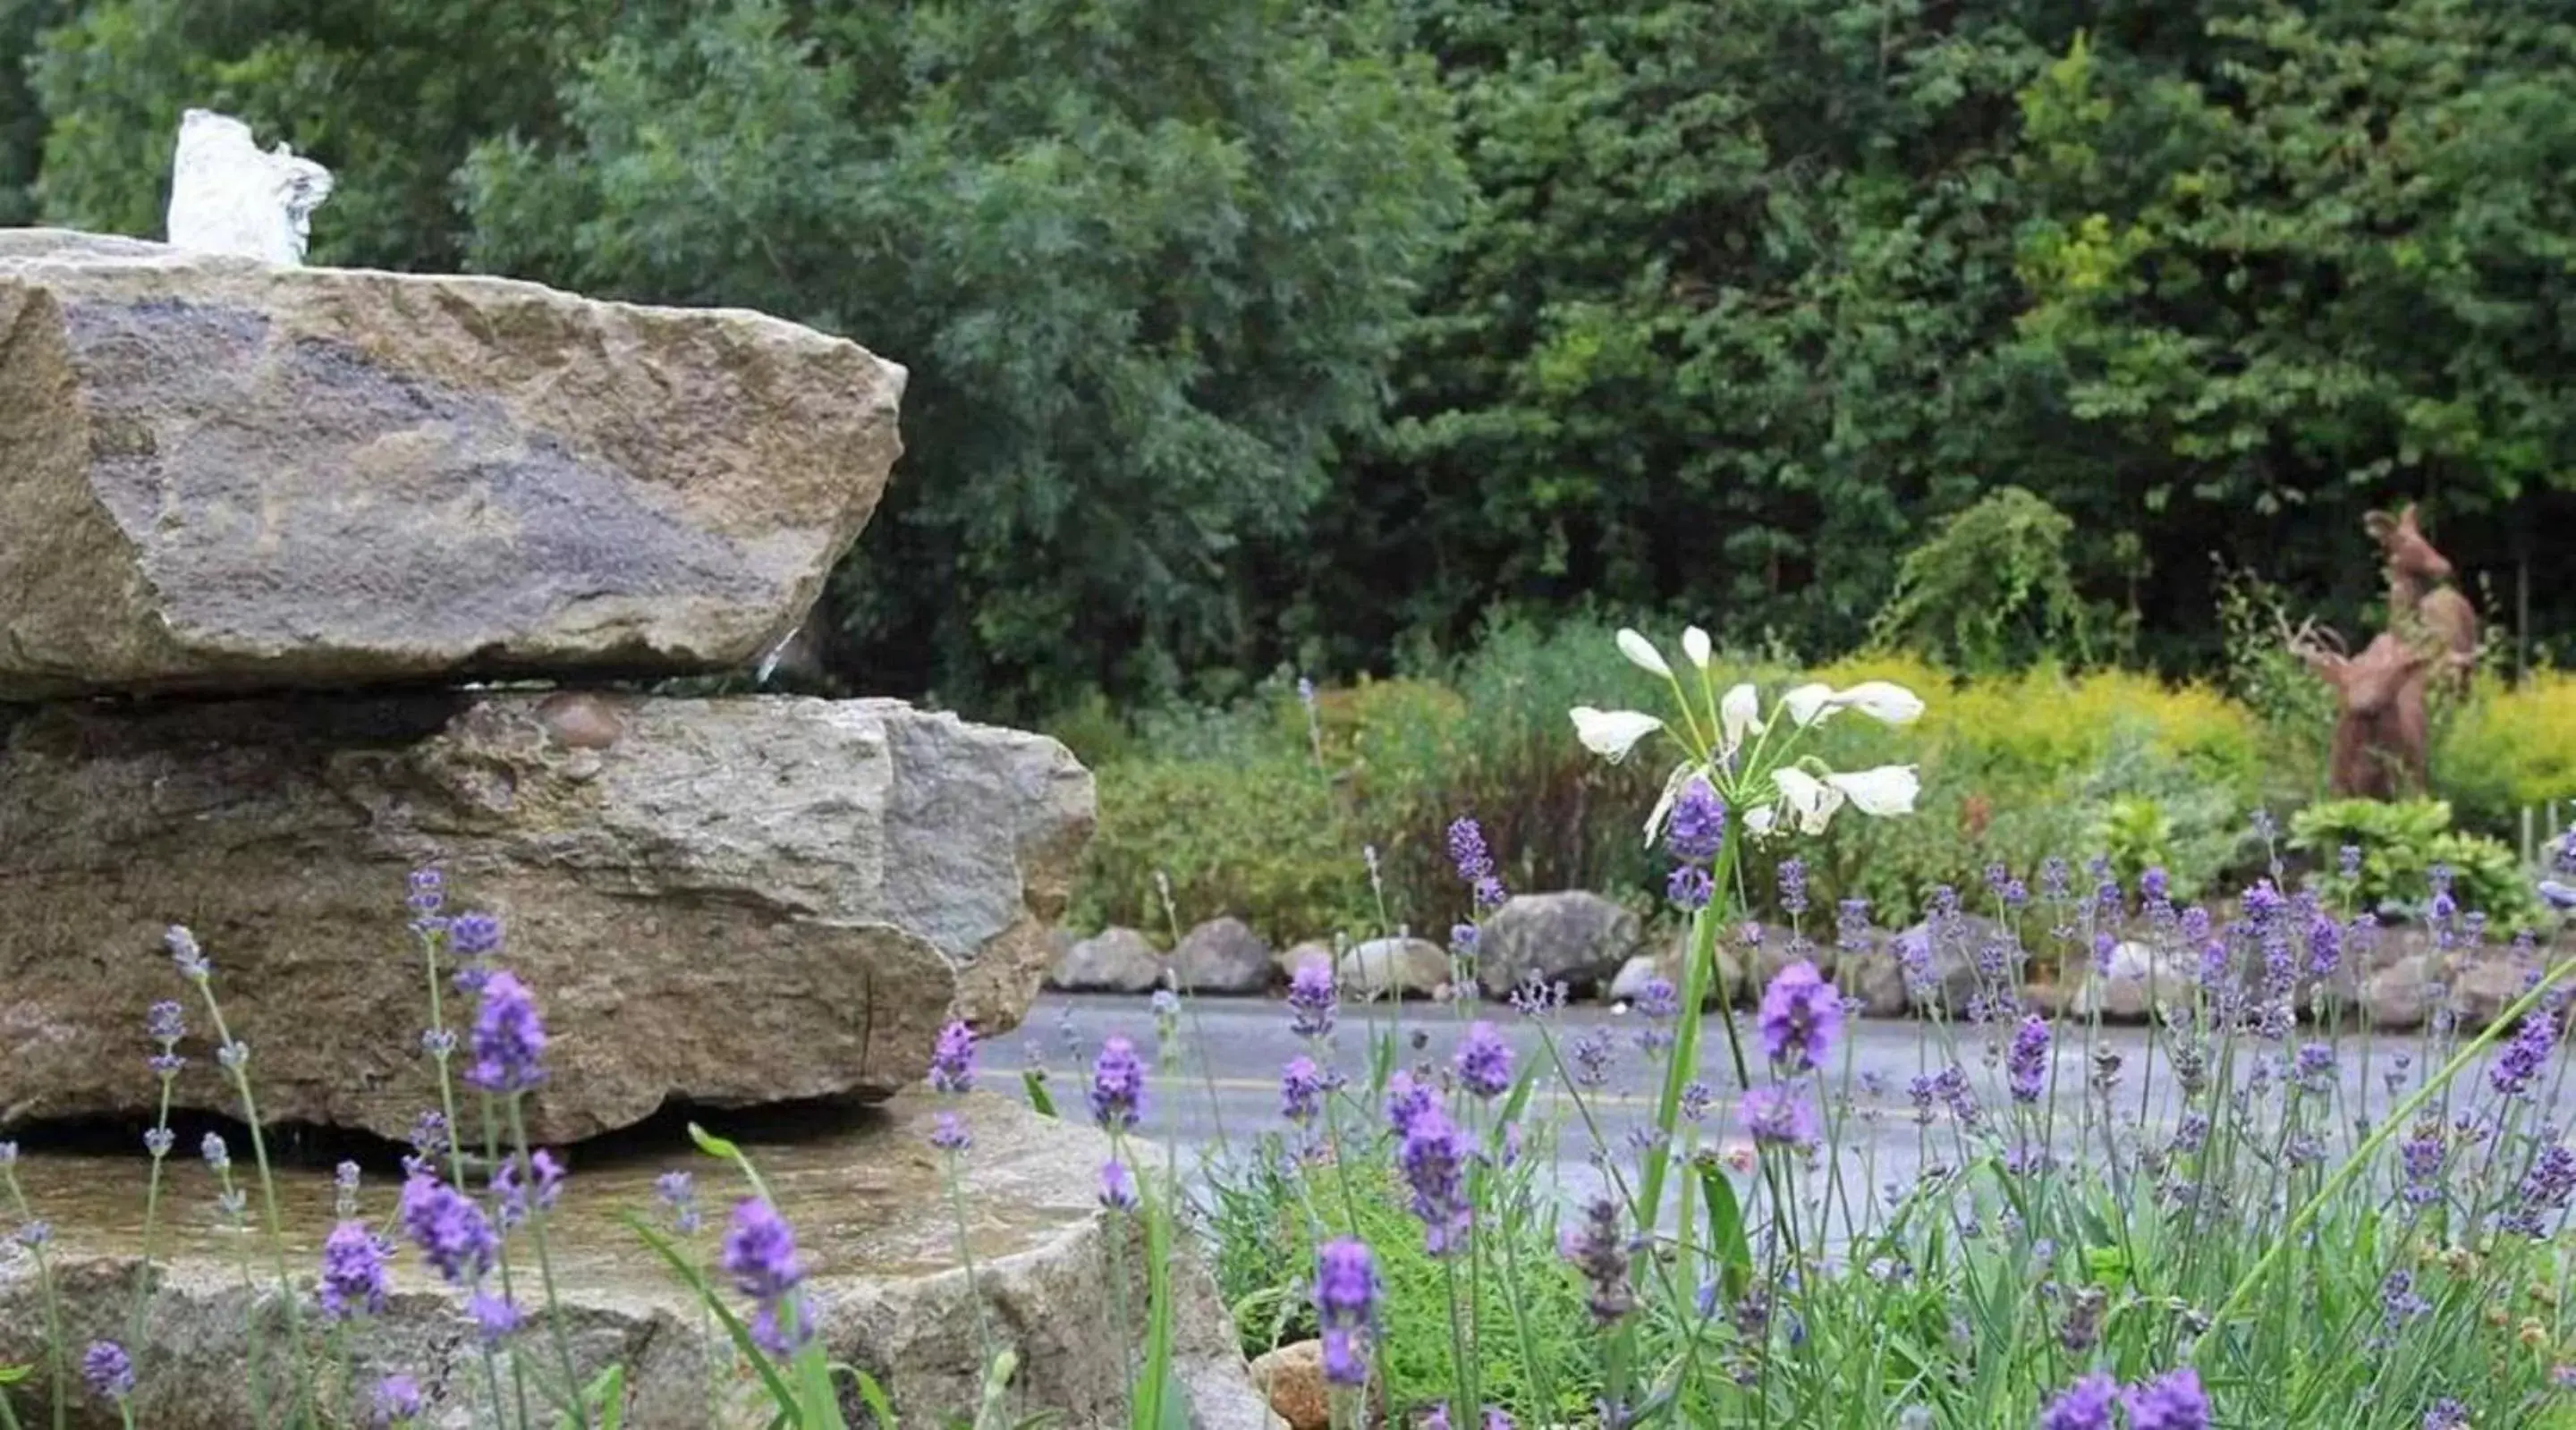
<point x="268" y="538"/>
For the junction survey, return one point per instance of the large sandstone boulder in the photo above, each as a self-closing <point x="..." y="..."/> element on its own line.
<point x="1576" y="938"/>
<point x="219" y="475"/>
<point x="874" y="1232"/>
<point x="1222" y="956"/>
<point x="1394" y="968"/>
<point x="723" y="902"/>
<point x="1114" y="960"/>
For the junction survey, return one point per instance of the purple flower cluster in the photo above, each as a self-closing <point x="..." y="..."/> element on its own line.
<point x="509" y="1040"/>
<point x="1301" y="1091"/>
<point x="108" y="1370"/>
<point x="1406" y="1100"/>
<point x="1800" y="1015"/>
<point x="2546" y="1189"/>
<point x="518" y="1189"/>
<point x="760" y="1255"/>
<point x="1695" y="831"/>
<point x="163" y="1023"/>
<point x="1483" y="1061"/>
<point x="1117" y="1086"/>
<point x="2027" y="1064"/>
<point x="396" y="1400"/>
<point x="1310" y="999"/>
<point x="1475" y="863"/>
<point x="948" y="1133"/>
<point x="1778" y="1117"/>
<point x="1793" y="886"/>
<point x="449" y="1229"/>
<point x="1690" y="887"/>
<point x="1346" y="1292"/>
<point x="2084" y="1405"/>
<point x="952" y="1059"/>
<point x="353" y="1272"/>
<point x="185" y="955"/>
<point x="2525" y="1055"/>
<point x="1434" y="1157"/>
<point x="2170" y="1402"/>
<point x="1117" y="1186"/>
<point x="1599" y="1251"/>
<point x="679" y="1192"/>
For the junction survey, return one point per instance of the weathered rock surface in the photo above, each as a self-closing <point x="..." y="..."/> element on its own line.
<point x="1287" y="961"/>
<point x="1293" y="1378"/>
<point x="1222" y="956"/>
<point x="721" y="901"/>
<point x="2135" y="981"/>
<point x="1394" y="968"/>
<point x="2400" y="996"/>
<point x="873" y="1230"/>
<point x="1577" y="938"/>
<point x="1114" y="960"/>
<point x="220" y="475"/>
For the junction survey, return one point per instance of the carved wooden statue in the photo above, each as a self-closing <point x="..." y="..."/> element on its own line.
<point x="2421" y="606"/>
<point x="2379" y="733"/>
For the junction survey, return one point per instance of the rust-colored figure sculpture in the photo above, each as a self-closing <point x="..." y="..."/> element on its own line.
<point x="2378" y="750"/>
<point x="2419" y="603"/>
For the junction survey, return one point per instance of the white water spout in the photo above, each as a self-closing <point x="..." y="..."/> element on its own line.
<point x="228" y="197"/>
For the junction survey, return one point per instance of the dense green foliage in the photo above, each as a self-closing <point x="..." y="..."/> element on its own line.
<point x="1303" y="333"/>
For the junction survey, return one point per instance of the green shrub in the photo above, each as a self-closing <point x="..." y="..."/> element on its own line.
<point x="2401" y="842"/>
<point x="2504" y="750"/>
<point x="1991" y="589"/>
<point x="1265" y="839"/>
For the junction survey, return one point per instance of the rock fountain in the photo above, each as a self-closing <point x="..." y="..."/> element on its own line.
<point x="314" y="577"/>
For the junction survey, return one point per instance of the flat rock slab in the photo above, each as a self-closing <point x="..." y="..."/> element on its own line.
<point x="724" y="902"/>
<point x="221" y="476"/>
<point x="873" y="1229"/>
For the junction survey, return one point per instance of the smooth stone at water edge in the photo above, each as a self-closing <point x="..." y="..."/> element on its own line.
<point x="2397" y="997"/>
<point x="220" y="476"/>
<point x="2483" y="979"/>
<point x="1631" y="979"/>
<point x="1394" y="967"/>
<point x="874" y="1231"/>
<point x="1576" y="938"/>
<point x="1222" y="956"/>
<point x="2133" y="983"/>
<point x="724" y="902"/>
<point x="1114" y="960"/>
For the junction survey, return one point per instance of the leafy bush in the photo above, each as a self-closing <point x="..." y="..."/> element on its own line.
<point x="1991" y="589"/>
<point x="2504" y="750"/>
<point x="2401" y="843"/>
<point x="1266" y="839"/>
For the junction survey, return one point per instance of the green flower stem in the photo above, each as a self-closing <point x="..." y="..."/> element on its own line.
<point x="58" y="1355"/>
<point x="1698" y="971"/>
<point x="240" y="1075"/>
<point x="966" y="1253"/>
<point x="545" y="1263"/>
<point x="151" y="1222"/>
<point x="2402" y="1115"/>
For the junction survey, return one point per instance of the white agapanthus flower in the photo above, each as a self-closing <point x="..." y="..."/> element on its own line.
<point x="1753" y="761"/>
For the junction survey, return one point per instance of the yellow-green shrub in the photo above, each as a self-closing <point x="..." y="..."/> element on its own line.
<point x="1266" y="839"/>
<point x="2506" y="749"/>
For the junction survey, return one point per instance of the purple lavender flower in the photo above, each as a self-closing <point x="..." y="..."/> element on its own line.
<point x="509" y="1040"/>
<point x="1800" y="1015"/>
<point x="475" y="935"/>
<point x="1778" y="1117"/>
<point x="1696" y="1097"/>
<point x="760" y="1255"/>
<point x="108" y="1370"/>
<point x="2544" y="1194"/>
<point x="2084" y="1405"/>
<point x="1696" y="829"/>
<point x="395" y="1401"/>
<point x="2029" y="1061"/>
<point x="2525" y="1055"/>
<point x="1117" y="1186"/>
<point x="2398" y="1300"/>
<point x="1406" y="1100"/>
<point x="1659" y="1000"/>
<point x="185" y="954"/>
<point x="1483" y="1061"/>
<point x="952" y="1059"/>
<point x="1346" y="1291"/>
<point x="679" y="1192"/>
<point x="1535" y="997"/>
<point x="1301" y="1091"/>
<point x="1310" y="999"/>
<point x="449" y="1229"/>
<point x="2154" y="887"/>
<point x="948" y="1133"/>
<point x="2314" y="1066"/>
<point x="427" y="892"/>
<point x="511" y="1190"/>
<point x="217" y="1155"/>
<point x="2173" y="1401"/>
<point x="1599" y="1251"/>
<point x="1467" y="852"/>
<point x="1793" y="886"/>
<point x="353" y="1272"/>
<point x="2447" y="1414"/>
<point x="163" y="1023"/>
<point x="1592" y="1053"/>
<point x="494" y="1317"/>
<point x="2055" y="878"/>
<point x="1690" y="887"/>
<point x="1117" y="1086"/>
<point x="1434" y="1158"/>
<point x="158" y="1141"/>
